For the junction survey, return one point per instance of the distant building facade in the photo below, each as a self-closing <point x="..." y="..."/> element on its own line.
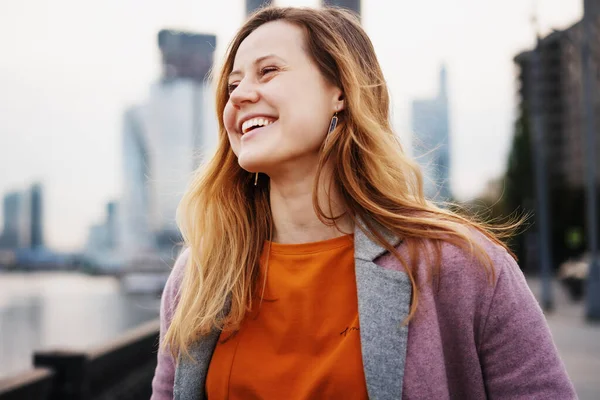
<point x="134" y="213"/>
<point x="165" y="139"/>
<point x="14" y="222"/>
<point x="561" y="102"/>
<point x="557" y="84"/>
<point x="36" y="219"/>
<point x="431" y="141"/>
<point x="253" y="5"/>
<point x="23" y="219"/>
<point x="102" y="246"/>
<point x="352" y="5"/>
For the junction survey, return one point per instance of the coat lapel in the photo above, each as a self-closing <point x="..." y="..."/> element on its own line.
<point x="190" y="375"/>
<point x="383" y="304"/>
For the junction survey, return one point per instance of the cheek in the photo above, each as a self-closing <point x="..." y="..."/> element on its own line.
<point x="310" y="119"/>
<point x="229" y="118"/>
<point x="229" y="121"/>
<point x="310" y="107"/>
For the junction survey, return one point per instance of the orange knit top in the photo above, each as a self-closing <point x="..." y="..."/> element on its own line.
<point x="303" y="340"/>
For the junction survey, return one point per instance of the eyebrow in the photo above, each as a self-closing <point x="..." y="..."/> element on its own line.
<point x="257" y="61"/>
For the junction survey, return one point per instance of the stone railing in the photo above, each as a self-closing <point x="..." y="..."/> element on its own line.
<point x="120" y="369"/>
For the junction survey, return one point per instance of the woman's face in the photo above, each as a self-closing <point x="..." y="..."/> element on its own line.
<point x="280" y="105"/>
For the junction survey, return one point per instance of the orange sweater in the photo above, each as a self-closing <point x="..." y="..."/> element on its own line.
<point x="303" y="341"/>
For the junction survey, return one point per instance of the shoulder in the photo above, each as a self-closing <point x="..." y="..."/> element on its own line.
<point x="469" y="291"/>
<point x="170" y="295"/>
<point x="464" y="284"/>
<point x="474" y="274"/>
<point x="471" y="263"/>
<point x="456" y="262"/>
<point x="180" y="265"/>
<point x="164" y="375"/>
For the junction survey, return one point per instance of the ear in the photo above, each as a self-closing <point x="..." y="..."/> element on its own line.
<point x="339" y="102"/>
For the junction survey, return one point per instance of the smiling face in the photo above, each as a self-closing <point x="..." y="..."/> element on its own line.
<point x="280" y="105"/>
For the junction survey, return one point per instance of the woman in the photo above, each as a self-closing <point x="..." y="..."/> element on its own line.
<point x="315" y="267"/>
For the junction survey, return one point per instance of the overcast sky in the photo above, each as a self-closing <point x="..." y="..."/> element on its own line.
<point x="68" y="69"/>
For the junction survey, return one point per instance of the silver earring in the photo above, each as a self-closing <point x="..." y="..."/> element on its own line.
<point x="256" y="179"/>
<point x="332" y="125"/>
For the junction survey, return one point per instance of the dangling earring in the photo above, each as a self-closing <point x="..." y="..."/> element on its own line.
<point x="332" y="125"/>
<point x="256" y="179"/>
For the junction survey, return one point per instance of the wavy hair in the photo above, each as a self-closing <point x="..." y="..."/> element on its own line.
<point x="225" y="219"/>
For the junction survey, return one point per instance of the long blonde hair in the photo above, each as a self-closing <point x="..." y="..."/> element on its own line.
<point x="225" y="219"/>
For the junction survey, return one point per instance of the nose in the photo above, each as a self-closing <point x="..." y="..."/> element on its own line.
<point x="245" y="92"/>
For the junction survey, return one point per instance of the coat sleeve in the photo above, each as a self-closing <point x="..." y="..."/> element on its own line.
<point x="164" y="375"/>
<point x="518" y="357"/>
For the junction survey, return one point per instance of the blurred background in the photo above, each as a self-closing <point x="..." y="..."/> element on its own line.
<point x="107" y="108"/>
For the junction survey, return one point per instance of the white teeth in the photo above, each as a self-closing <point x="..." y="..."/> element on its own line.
<point x="255" y="122"/>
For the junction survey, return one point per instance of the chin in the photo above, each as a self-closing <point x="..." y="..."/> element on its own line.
<point x="252" y="162"/>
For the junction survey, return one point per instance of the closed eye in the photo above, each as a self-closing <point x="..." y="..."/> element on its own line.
<point x="267" y="70"/>
<point x="263" y="71"/>
<point x="231" y="87"/>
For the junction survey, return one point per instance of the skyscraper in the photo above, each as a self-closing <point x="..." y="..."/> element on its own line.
<point x="111" y="224"/>
<point x="561" y="109"/>
<point x="134" y="213"/>
<point x="14" y="232"/>
<point x="164" y="140"/>
<point x="186" y="54"/>
<point x="178" y="122"/>
<point x="102" y="248"/>
<point x="551" y="89"/>
<point x="253" y="5"/>
<point x="36" y="217"/>
<point x="23" y="219"/>
<point x="353" y="5"/>
<point x="431" y="143"/>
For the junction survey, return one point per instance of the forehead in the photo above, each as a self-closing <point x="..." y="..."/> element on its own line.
<point x="280" y="38"/>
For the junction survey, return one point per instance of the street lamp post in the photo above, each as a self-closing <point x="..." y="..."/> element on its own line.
<point x="589" y="102"/>
<point x="539" y="157"/>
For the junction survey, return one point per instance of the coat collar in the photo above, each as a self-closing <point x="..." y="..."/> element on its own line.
<point x="383" y="304"/>
<point x="364" y="247"/>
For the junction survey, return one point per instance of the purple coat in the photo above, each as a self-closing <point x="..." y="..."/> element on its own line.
<point x="469" y="339"/>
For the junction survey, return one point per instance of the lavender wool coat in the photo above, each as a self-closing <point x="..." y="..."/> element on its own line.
<point x="469" y="339"/>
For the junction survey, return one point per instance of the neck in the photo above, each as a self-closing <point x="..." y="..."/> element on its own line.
<point x="294" y="218"/>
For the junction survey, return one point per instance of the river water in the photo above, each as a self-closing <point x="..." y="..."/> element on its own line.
<point x="57" y="310"/>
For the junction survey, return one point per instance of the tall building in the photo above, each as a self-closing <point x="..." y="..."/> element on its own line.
<point x="253" y="5"/>
<point x="14" y="234"/>
<point x="431" y="142"/>
<point x="164" y="140"/>
<point x="557" y="84"/>
<point x="560" y="87"/>
<point x="36" y="217"/>
<point x="111" y="224"/>
<point x="186" y="54"/>
<point x="135" y="211"/>
<point x="23" y="219"/>
<point x="102" y="247"/>
<point x="353" y="5"/>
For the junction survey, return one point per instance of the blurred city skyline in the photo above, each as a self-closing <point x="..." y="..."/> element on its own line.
<point x="69" y="71"/>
